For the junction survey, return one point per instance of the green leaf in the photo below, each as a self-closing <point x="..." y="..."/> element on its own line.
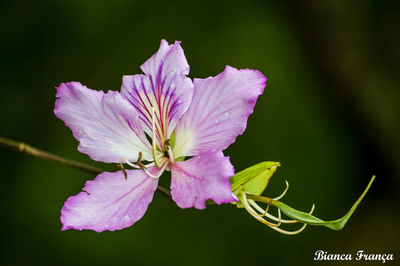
<point x="254" y="179"/>
<point x="306" y="218"/>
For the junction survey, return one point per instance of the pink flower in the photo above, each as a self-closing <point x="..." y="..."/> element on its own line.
<point x="182" y="118"/>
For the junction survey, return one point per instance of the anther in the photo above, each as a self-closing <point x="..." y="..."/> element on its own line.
<point x="168" y="151"/>
<point x="120" y="166"/>
<point x="139" y="161"/>
<point x="166" y="144"/>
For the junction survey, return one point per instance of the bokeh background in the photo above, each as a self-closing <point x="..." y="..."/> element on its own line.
<point x="330" y="115"/>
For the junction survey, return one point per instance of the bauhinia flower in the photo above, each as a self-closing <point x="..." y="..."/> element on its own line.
<point x="156" y="121"/>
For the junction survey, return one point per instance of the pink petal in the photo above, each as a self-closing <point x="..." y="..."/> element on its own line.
<point x="109" y="202"/>
<point x="219" y="111"/>
<point x="205" y="176"/>
<point x="106" y="125"/>
<point x="169" y="57"/>
<point x="165" y="87"/>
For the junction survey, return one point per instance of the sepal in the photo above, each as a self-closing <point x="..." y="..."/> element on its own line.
<point x="253" y="179"/>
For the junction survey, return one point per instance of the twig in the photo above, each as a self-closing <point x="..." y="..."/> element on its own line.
<point x="28" y="149"/>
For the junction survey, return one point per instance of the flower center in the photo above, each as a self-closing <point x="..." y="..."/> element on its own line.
<point x="162" y="154"/>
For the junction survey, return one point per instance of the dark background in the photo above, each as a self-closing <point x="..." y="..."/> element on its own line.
<point x="330" y="115"/>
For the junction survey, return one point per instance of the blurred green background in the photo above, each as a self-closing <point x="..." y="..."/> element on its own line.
<point x="330" y="115"/>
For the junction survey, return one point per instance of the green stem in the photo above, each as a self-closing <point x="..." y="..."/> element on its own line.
<point x="28" y="149"/>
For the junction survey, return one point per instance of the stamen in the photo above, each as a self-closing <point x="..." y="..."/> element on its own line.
<point x="312" y="209"/>
<point x="279" y="217"/>
<point x="131" y="164"/>
<point x="165" y="148"/>
<point x="284" y="192"/>
<point x="289" y="232"/>
<point x="262" y="212"/>
<point x="168" y="151"/>
<point x="139" y="164"/>
<point x="139" y="161"/>
<point x="151" y="175"/>
<point x="259" y="216"/>
<point x="266" y="209"/>
<point x="122" y="168"/>
<point x="166" y="144"/>
<point x="266" y="214"/>
<point x="255" y="214"/>
<point x="160" y="172"/>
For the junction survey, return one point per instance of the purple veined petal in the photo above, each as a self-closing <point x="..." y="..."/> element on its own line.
<point x="165" y="87"/>
<point x="205" y="176"/>
<point x="106" y="125"/>
<point x="171" y="56"/>
<point x="219" y="111"/>
<point x="109" y="202"/>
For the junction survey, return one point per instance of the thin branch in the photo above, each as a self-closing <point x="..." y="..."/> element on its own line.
<point x="25" y="148"/>
<point x="28" y="149"/>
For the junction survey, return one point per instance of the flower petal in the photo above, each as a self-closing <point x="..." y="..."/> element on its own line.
<point x="165" y="87"/>
<point x="170" y="57"/>
<point x="106" y="125"/>
<point x="109" y="202"/>
<point x="219" y="111"/>
<point x="205" y="176"/>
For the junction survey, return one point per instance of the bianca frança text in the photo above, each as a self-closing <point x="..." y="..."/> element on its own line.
<point x="360" y="255"/>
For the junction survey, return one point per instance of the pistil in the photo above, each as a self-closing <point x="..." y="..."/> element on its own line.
<point x="153" y="142"/>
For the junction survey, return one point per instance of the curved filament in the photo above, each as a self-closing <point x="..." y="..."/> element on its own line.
<point x="259" y="213"/>
<point x="266" y="214"/>
<point x="284" y="192"/>
<point x="255" y="214"/>
<point x="293" y="232"/>
<point x="164" y="164"/>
